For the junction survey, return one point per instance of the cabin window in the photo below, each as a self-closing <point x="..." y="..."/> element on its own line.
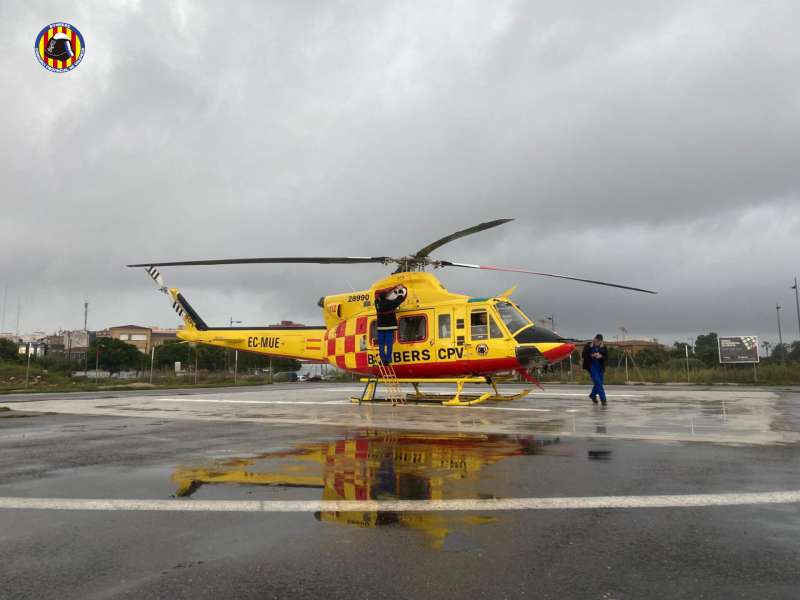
<point x="445" y="330"/>
<point x="459" y="323"/>
<point x="412" y="329"/>
<point x="373" y="335"/>
<point x="479" y="325"/>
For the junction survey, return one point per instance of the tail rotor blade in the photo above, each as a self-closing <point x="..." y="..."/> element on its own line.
<point x="156" y="276"/>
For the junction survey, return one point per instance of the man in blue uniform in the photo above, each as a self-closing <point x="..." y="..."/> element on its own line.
<point x="386" y="303"/>
<point x="595" y="355"/>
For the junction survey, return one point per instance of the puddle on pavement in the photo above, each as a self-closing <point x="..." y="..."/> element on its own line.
<point x="8" y="413"/>
<point x="374" y="465"/>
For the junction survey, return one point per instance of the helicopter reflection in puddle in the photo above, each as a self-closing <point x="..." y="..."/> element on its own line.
<point x="378" y="465"/>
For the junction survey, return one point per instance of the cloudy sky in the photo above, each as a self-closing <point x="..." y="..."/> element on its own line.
<point x="653" y="144"/>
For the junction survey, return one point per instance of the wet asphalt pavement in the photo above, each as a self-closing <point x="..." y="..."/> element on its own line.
<point x="290" y="443"/>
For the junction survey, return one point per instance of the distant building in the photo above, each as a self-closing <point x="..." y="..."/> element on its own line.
<point x="75" y="344"/>
<point x="55" y="343"/>
<point x="144" y="338"/>
<point x="71" y="344"/>
<point x="135" y="335"/>
<point x="158" y="336"/>
<point x="32" y="343"/>
<point x="32" y="337"/>
<point x="636" y="346"/>
<point x="34" y="348"/>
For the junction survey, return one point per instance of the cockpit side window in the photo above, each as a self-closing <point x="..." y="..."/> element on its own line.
<point x="494" y="329"/>
<point x="514" y="320"/>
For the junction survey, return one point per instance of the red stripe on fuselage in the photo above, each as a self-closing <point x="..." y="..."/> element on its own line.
<point x="455" y="368"/>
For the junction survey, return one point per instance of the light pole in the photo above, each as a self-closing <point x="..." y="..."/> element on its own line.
<point x="686" y="349"/>
<point x="28" y="368"/>
<point x="797" y="304"/>
<point x="780" y="335"/>
<point x="3" y="313"/>
<point x="552" y="320"/>
<point x="152" y="360"/>
<point x="86" y="333"/>
<point x="236" y="355"/>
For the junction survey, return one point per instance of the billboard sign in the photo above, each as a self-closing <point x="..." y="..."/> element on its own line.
<point x="738" y="349"/>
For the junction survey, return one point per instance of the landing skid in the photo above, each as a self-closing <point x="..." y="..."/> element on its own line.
<point x="396" y="396"/>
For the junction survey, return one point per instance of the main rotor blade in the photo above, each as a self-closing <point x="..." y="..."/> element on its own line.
<point x="447" y="263"/>
<point x="459" y="234"/>
<point x="323" y="260"/>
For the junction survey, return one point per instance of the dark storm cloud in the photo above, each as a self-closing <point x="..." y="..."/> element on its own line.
<point x="655" y="146"/>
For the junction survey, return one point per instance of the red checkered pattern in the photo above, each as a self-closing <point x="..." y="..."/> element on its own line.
<point x="344" y="344"/>
<point x="347" y="471"/>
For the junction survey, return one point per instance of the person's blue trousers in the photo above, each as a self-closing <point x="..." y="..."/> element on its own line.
<point x="596" y="373"/>
<point x="385" y="345"/>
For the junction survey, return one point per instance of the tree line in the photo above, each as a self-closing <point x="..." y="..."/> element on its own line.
<point x="704" y="354"/>
<point x="115" y="355"/>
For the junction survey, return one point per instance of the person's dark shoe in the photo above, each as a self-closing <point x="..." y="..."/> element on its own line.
<point x="593" y="399"/>
<point x="604" y="404"/>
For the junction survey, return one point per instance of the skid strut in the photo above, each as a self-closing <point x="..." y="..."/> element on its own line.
<point x="395" y="394"/>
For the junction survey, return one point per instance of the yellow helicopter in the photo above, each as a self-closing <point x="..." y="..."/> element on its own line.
<point x="441" y="335"/>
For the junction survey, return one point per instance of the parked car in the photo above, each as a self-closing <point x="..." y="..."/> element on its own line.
<point x="285" y="376"/>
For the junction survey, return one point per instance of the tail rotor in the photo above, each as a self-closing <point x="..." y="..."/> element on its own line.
<point x="156" y="276"/>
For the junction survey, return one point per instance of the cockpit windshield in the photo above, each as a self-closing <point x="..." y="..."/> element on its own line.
<point x="511" y="316"/>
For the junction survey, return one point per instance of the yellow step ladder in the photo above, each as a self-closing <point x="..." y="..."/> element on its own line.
<point x="389" y="379"/>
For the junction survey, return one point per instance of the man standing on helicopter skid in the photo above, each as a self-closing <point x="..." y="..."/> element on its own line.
<point x="386" y="303"/>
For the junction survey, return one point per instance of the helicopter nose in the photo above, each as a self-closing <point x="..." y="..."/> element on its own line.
<point x="560" y="352"/>
<point x="528" y="356"/>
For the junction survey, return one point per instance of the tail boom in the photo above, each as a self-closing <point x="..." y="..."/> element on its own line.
<point x="282" y="342"/>
<point x="298" y="342"/>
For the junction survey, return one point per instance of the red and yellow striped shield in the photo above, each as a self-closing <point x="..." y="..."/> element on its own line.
<point x="59" y="47"/>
